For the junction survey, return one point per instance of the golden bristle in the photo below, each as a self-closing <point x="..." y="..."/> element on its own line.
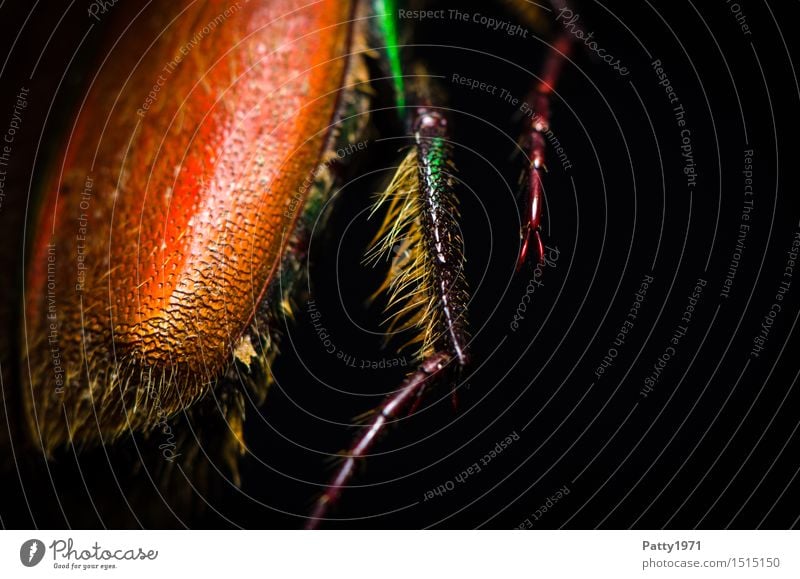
<point x="411" y="302"/>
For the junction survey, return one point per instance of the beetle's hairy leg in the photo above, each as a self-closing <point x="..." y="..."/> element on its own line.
<point x="406" y="395"/>
<point x="420" y="236"/>
<point x="426" y="285"/>
<point x="535" y="147"/>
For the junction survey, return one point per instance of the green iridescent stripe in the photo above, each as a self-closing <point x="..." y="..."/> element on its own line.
<point x="387" y="13"/>
<point x="434" y="167"/>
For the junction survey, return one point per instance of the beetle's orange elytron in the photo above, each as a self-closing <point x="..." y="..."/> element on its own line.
<point x="167" y="213"/>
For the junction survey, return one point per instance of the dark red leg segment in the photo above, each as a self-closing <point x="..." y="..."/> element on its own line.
<point x="539" y="102"/>
<point x="407" y="395"/>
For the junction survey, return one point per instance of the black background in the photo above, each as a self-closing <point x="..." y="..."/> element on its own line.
<point x="714" y="445"/>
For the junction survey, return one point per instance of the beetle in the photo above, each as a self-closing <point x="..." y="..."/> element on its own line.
<point x="179" y="215"/>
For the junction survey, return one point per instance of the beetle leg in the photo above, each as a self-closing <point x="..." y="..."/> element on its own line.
<point x="407" y="394"/>
<point x="426" y="285"/>
<point x="539" y="102"/>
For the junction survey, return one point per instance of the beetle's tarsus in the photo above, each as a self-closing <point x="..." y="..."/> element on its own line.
<point x="535" y="149"/>
<point x="407" y="396"/>
<point x="531" y="225"/>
